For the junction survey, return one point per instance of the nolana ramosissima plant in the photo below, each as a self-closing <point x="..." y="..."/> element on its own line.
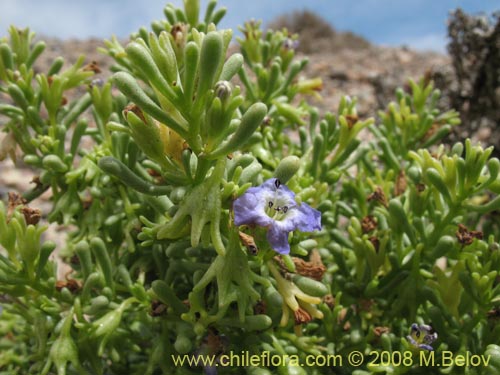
<point x="217" y="211"/>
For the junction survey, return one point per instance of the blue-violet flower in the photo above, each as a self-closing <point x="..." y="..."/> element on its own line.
<point x="421" y="336"/>
<point x="272" y="205"/>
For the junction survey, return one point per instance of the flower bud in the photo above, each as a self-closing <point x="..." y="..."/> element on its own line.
<point x="223" y="90"/>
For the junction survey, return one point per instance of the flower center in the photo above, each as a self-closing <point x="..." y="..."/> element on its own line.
<point x="276" y="209"/>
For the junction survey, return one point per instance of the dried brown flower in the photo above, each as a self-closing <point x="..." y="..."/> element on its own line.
<point x="157" y="308"/>
<point x="351" y="120"/>
<point x="31" y="215"/>
<point x="379" y="331"/>
<point x="93" y="66"/>
<point x="379" y="196"/>
<point x="71" y="284"/>
<point x="302" y="316"/>
<point x="260" y="308"/>
<point x="329" y="300"/>
<point x="401" y="184"/>
<point x="368" y="223"/>
<point x="248" y="242"/>
<point x="465" y="236"/>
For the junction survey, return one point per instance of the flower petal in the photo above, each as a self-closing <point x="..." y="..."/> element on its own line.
<point x="278" y="239"/>
<point x="249" y="208"/>
<point x="306" y="218"/>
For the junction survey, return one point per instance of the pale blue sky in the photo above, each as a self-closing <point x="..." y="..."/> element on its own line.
<point x="420" y="24"/>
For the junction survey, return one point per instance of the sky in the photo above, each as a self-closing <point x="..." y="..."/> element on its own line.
<point x="419" y="24"/>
